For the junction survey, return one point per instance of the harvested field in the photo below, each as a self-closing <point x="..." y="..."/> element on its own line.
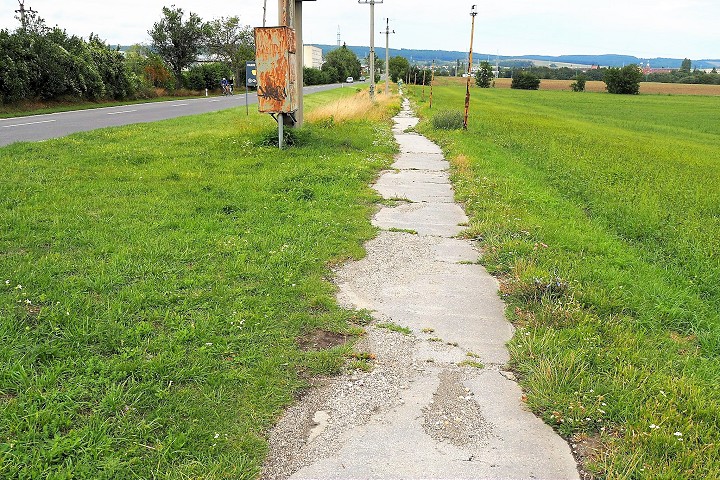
<point x="651" y="88"/>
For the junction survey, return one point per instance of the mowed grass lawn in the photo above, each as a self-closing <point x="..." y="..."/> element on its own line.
<point x="601" y="216"/>
<point x="155" y="280"/>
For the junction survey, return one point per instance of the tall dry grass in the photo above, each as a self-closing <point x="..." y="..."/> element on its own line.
<point x="353" y="108"/>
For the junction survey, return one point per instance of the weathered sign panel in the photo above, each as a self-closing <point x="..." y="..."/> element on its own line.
<point x="276" y="69"/>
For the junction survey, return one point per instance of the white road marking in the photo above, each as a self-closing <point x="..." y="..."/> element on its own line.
<point x="124" y="111"/>
<point x="31" y="123"/>
<point x="179" y="105"/>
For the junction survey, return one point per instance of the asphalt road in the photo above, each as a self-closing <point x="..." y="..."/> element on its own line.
<point x="42" y="127"/>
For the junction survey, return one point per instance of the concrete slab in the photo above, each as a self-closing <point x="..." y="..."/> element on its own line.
<point x="414" y="143"/>
<point x="424" y="161"/>
<point x="403" y="279"/>
<point x="438" y="219"/>
<point x="401" y="444"/>
<point x="416" y="186"/>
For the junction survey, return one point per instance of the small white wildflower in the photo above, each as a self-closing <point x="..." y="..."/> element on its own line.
<point x="19" y="287"/>
<point x="678" y="434"/>
<point x="28" y="301"/>
<point x="653" y="426"/>
<point x="7" y="282"/>
<point x="216" y="435"/>
<point x="208" y="344"/>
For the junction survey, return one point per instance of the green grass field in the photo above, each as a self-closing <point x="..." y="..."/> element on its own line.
<point x="601" y="216"/>
<point x="155" y="280"/>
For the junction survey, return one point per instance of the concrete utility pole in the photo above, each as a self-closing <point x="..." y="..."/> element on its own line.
<point x="22" y="12"/>
<point x="387" y="33"/>
<point x="372" y="44"/>
<point x="473" y="14"/>
<point x="290" y="14"/>
<point x="300" y="53"/>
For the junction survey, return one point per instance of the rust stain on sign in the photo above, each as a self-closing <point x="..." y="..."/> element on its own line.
<point x="276" y="74"/>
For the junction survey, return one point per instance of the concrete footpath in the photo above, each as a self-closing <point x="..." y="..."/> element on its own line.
<point x="437" y="403"/>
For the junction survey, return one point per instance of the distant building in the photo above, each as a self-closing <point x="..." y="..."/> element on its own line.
<point x="312" y="56"/>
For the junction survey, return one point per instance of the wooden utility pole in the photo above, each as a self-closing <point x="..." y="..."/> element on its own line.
<point x="432" y="79"/>
<point x="473" y="13"/>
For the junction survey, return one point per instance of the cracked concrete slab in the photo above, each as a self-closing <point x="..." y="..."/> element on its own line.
<point x="437" y="403"/>
<point x="416" y="186"/>
<point x="439" y="219"/>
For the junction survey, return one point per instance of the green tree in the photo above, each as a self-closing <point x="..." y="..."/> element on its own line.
<point x="232" y="43"/>
<point x="148" y="67"/>
<point x="178" y="41"/>
<point x="484" y="75"/>
<point x="625" y="80"/>
<point x="579" y="84"/>
<point x="525" y="81"/>
<point x="686" y="65"/>
<point x="399" y="67"/>
<point x="344" y="62"/>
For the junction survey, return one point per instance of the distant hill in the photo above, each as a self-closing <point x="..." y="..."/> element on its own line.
<point x="445" y="56"/>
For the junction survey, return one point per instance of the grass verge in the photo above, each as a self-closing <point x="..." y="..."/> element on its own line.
<point x="20" y="110"/>
<point x="155" y="281"/>
<point x="601" y="216"/>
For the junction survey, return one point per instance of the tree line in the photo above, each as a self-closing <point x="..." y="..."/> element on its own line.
<point x="42" y="63"/>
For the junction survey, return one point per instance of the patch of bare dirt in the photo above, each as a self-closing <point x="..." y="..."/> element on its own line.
<point x="586" y="449"/>
<point x="321" y="340"/>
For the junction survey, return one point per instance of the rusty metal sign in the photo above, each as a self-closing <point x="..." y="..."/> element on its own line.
<point x="276" y="69"/>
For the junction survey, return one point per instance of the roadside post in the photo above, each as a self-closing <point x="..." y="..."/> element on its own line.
<point x="279" y="70"/>
<point x="473" y="14"/>
<point x="250" y="81"/>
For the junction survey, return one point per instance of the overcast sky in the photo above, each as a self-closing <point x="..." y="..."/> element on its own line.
<point x="644" y="28"/>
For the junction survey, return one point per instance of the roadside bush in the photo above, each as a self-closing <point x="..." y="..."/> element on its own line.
<point x="448" y="120"/>
<point x="14" y="72"/>
<point x="525" y="81"/>
<point x="625" y="80"/>
<point x="117" y="80"/>
<point x="206" y="75"/>
<point x="48" y="64"/>
<point x="313" y="76"/>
